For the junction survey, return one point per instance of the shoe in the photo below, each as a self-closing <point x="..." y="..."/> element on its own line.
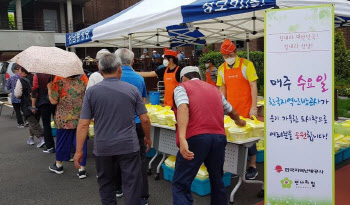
<point x="20" y="126"/>
<point x="55" y="169"/>
<point x="234" y="176"/>
<point x="82" y="174"/>
<point x="51" y="150"/>
<point x="26" y="124"/>
<point x="119" y="193"/>
<point x="251" y="173"/>
<point x="31" y="141"/>
<point x="41" y="142"/>
<point x="144" y="201"/>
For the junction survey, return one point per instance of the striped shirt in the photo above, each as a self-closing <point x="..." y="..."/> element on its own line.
<point x="181" y="97"/>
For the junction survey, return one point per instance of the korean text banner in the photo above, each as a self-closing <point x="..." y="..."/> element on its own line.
<point x="299" y="105"/>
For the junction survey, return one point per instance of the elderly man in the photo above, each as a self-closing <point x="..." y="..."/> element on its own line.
<point x="237" y="80"/>
<point x="200" y="136"/>
<point x="96" y="77"/>
<point x="129" y="76"/>
<point x="113" y="104"/>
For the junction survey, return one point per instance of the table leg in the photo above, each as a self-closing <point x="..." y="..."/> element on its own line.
<point x="158" y="167"/>
<point x="150" y="163"/>
<point x="235" y="190"/>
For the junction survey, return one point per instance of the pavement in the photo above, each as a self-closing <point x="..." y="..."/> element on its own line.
<point x="26" y="179"/>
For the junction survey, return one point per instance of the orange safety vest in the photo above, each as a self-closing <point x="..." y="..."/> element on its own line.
<point x="238" y="90"/>
<point x="208" y="78"/>
<point x="170" y="84"/>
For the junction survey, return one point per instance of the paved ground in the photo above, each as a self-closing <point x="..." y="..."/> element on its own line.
<point x="25" y="178"/>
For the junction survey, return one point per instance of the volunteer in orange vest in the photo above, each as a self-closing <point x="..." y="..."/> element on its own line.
<point x="200" y="135"/>
<point x="211" y="73"/>
<point x="170" y="73"/>
<point x="237" y="81"/>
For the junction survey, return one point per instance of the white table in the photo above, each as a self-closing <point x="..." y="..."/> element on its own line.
<point x="164" y="141"/>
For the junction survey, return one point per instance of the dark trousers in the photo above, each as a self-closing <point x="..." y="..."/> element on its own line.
<point x="45" y="112"/>
<point x="131" y="177"/>
<point x="144" y="165"/>
<point x="17" y="108"/>
<point x="35" y="128"/>
<point x="207" y="148"/>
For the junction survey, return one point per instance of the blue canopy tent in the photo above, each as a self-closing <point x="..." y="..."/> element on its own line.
<point x="159" y="23"/>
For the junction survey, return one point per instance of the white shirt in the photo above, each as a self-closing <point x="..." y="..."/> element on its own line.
<point x="95" y="78"/>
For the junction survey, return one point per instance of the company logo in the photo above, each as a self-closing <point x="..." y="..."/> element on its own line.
<point x="279" y="169"/>
<point x="232" y="76"/>
<point x="286" y="183"/>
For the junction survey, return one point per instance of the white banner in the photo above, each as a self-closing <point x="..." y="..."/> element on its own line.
<point x="299" y="105"/>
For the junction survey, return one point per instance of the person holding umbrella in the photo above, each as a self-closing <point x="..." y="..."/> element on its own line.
<point x="200" y="135"/>
<point x="67" y="92"/>
<point x="170" y="74"/>
<point x="237" y="80"/>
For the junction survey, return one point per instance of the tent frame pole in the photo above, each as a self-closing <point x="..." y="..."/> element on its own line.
<point x="248" y="40"/>
<point x="130" y="42"/>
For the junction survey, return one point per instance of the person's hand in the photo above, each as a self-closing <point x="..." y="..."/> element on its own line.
<point x="49" y="86"/>
<point x="240" y="122"/>
<point x="33" y="109"/>
<point x="78" y="157"/>
<point x="253" y="111"/>
<point x="184" y="151"/>
<point x="148" y="143"/>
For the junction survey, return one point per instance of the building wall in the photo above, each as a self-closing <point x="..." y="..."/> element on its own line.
<point x="98" y="10"/>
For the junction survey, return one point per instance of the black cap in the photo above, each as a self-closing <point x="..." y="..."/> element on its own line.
<point x="209" y="61"/>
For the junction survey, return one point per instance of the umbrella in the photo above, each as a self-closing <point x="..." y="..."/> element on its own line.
<point x="49" y="60"/>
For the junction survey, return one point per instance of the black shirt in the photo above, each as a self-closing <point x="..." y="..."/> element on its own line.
<point x="160" y="72"/>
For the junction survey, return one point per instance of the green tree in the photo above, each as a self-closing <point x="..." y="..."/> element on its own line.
<point x="12" y="25"/>
<point x="341" y="57"/>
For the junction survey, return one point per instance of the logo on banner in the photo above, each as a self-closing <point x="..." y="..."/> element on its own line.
<point x="286" y="183"/>
<point x="279" y="169"/>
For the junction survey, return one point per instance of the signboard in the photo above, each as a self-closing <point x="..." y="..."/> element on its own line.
<point x="299" y="105"/>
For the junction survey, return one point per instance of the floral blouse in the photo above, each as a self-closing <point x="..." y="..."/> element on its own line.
<point x="69" y="92"/>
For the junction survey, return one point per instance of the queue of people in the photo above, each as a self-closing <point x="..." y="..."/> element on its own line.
<point x="114" y="99"/>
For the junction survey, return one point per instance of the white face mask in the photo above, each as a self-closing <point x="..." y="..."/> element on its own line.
<point x="206" y="65"/>
<point x="230" y="61"/>
<point x="165" y="62"/>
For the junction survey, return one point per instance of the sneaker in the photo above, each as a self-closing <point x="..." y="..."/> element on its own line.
<point x="51" y="150"/>
<point x="82" y="174"/>
<point x="20" y="126"/>
<point x="31" y="141"/>
<point x="55" y="169"/>
<point x="251" y="173"/>
<point x="234" y="176"/>
<point x="144" y="201"/>
<point x="119" y="193"/>
<point x="41" y="142"/>
<point x="26" y="124"/>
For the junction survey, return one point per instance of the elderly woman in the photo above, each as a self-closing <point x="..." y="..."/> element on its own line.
<point x="67" y="94"/>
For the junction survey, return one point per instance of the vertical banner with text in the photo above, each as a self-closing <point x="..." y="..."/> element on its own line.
<point x="299" y="58"/>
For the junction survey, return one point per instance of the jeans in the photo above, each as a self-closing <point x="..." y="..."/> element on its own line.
<point x="207" y="148"/>
<point x="17" y="108"/>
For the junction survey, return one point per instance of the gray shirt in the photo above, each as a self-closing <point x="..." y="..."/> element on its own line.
<point x="113" y="103"/>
